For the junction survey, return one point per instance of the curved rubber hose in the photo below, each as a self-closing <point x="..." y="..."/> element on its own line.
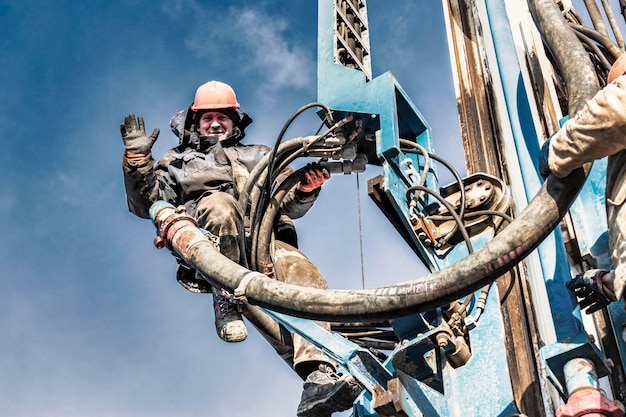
<point x="486" y="264"/>
<point x="439" y="288"/>
<point x="595" y="50"/>
<point x="571" y="58"/>
<point x="600" y="39"/>
<point x="261" y="250"/>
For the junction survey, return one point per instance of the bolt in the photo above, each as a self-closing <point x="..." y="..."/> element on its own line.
<point x="442" y="340"/>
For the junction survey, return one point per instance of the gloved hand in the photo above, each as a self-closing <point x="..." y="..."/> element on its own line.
<point x="593" y="294"/>
<point x="314" y="177"/>
<point x="544" y="166"/>
<point x="134" y="135"/>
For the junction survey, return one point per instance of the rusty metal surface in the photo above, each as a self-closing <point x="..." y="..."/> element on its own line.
<point x="483" y="152"/>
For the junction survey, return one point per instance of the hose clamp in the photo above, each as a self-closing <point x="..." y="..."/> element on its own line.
<point x="240" y="292"/>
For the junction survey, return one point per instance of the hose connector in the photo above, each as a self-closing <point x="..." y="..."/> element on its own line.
<point x="169" y="220"/>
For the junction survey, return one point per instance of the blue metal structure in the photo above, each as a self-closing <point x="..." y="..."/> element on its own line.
<point x="382" y="100"/>
<point x="421" y="376"/>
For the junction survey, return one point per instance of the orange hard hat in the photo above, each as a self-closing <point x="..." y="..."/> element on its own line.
<point x="215" y="95"/>
<point x="618" y="68"/>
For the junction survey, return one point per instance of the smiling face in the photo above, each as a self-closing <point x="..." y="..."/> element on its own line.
<point x="215" y="123"/>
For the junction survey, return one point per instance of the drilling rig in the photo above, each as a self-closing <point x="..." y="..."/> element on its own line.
<point x="492" y="330"/>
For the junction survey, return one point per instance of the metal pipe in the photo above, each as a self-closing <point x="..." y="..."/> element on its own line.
<point x="580" y="373"/>
<point x="585" y="397"/>
<point x="596" y="16"/>
<point x="619" y="39"/>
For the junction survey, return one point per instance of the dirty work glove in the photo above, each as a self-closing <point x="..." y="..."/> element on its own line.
<point x="544" y="167"/>
<point x="313" y="177"/>
<point x="588" y="287"/>
<point x="134" y="135"/>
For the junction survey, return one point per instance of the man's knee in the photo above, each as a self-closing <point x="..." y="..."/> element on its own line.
<point x="218" y="208"/>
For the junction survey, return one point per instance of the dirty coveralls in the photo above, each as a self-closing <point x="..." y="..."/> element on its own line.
<point x="596" y="131"/>
<point x="207" y="178"/>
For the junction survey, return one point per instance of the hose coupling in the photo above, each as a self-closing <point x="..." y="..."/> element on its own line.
<point x="168" y="220"/>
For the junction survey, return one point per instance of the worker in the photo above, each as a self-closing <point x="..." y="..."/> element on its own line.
<point x="598" y="130"/>
<point x="205" y="173"/>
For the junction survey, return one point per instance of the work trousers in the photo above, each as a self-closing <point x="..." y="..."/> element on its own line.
<point x="221" y="215"/>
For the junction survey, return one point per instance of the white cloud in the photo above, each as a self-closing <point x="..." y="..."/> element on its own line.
<point x="255" y="42"/>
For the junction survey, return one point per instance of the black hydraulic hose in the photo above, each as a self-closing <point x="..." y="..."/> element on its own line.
<point x="258" y="174"/>
<point x="477" y="213"/>
<point x="254" y="184"/>
<point x="376" y="345"/>
<point x="266" y="172"/>
<point x="264" y="213"/>
<point x="458" y="219"/>
<point x="418" y="150"/>
<point x="453" y="171"/>
<point x="253" y="191"/>
<point x="450" y="209"/>
<point x="286" y="126"/>
<point x="271" y="158"/>
<point x="595" y="49"/>
<point x="600" y="39"/>
<point x="262" y="238"/>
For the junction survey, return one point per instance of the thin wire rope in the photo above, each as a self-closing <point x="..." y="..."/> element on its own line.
<point x="358" y="208"/>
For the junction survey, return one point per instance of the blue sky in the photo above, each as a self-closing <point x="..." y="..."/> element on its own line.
<point x="92" y="321"/>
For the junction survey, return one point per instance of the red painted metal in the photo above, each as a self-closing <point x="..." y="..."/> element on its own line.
<point x="590" y="403"/>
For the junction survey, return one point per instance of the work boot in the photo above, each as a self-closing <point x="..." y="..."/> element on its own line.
<point x="228" y="322"/>
<point x="326" y="392"/>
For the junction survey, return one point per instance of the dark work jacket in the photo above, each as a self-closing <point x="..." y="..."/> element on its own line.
<point x="185" y="175"/>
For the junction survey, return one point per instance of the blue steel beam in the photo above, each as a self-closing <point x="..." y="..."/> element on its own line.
<point x="348" y="90"/>
<point x="552" y="253"/>
<point x="359" y="362"/>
